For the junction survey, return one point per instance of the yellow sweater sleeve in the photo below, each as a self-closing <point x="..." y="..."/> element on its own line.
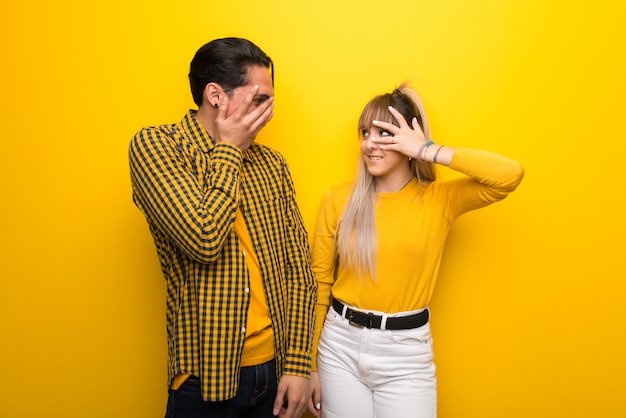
<point x="324" y="260"/>
<point x="500" y="173"/>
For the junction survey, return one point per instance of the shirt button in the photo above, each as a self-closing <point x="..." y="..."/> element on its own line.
<point x="247" y="290"/>
<point x="243" y="330"/>
<point x="244" y="253"/>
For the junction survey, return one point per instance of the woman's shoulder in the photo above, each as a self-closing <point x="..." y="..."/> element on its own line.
<point x="342" y="189"/>
<point x="338" y="195"/>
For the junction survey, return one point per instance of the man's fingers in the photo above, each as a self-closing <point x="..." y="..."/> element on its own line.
<point x="267" y="113"/>
<point x="279" y="401"/>
<point x="247" y="101"/>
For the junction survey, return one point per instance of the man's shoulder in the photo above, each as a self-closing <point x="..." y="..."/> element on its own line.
<point x="164" y="135"/>
<point x="166" y="129"/>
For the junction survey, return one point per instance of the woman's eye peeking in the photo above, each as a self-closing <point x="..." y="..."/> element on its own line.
<point x="365" y="133"/>
<point x="385" y="133"/>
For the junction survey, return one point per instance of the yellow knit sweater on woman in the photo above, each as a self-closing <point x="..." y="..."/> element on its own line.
<point x="411" y="226"/>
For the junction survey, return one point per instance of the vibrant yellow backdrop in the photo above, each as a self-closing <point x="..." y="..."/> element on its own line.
<point x="529" y="313"/>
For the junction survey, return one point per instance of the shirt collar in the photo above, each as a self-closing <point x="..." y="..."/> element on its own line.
<point x="196" y="132"/>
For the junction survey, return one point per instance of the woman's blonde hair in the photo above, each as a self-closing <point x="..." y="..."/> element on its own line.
<point x="356" y="235"/>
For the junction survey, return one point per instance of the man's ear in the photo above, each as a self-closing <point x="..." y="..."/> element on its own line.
<point x="213" y="93"/>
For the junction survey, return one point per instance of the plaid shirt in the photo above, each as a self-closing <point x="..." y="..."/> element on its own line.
<point x="189" y="189"/>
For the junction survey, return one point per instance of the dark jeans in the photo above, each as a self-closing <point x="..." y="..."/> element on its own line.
<point x="254" y="399"/>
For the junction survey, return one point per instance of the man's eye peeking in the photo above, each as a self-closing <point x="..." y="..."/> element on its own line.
<point x="259" y="99"/>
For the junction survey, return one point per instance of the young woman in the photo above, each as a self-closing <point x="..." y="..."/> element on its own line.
<point x="376" y="253"/>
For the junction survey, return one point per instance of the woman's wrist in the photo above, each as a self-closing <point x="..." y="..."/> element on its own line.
<point x="423" y="150"/>
<point x="435" y="153"/>
<point x="440" y="154"/>
<point x="431" y="153"/>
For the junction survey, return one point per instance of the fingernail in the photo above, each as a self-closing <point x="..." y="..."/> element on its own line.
<point x="317" y="406"/>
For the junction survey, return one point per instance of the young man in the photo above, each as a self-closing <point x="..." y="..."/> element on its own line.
<point x="231" y="243"/>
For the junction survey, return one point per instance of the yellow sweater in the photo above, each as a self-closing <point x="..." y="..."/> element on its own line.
<point x="259" y="345"/>
<point x="412" y="226"/>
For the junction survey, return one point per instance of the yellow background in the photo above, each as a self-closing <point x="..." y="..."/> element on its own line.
<point x="529" y="313"/>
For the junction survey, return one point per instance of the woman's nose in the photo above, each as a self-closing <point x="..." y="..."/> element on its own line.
<point x="371" y="145"/>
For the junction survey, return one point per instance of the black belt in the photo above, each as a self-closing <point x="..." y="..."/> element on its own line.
<point x="370" y="320"/>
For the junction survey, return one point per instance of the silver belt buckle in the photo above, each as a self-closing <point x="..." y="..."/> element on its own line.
<point x="369" y="318"/>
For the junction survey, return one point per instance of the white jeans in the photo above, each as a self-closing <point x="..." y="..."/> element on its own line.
<point x="367" y="373"/>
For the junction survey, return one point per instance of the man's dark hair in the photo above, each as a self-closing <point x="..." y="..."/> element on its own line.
<point x="225" y="62"/>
